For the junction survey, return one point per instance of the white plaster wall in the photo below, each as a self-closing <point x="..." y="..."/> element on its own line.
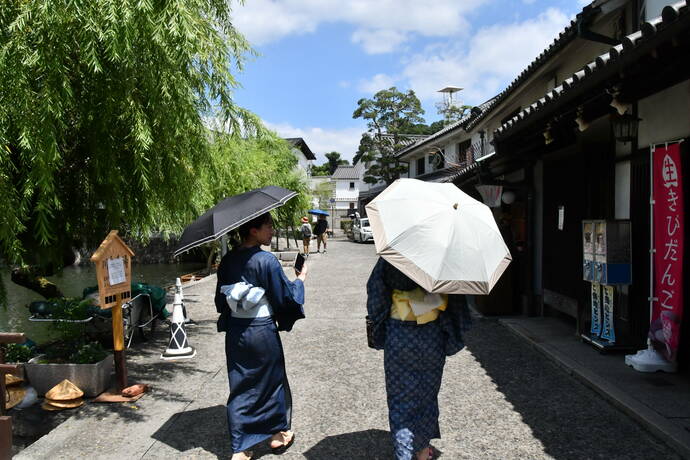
<point x="343" y="192"/>
<point x="665" y="115"/>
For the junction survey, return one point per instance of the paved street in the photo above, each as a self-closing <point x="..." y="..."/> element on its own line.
<point x="499" y="399"/>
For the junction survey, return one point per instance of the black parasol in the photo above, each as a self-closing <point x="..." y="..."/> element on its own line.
<point x="230" y="214"/>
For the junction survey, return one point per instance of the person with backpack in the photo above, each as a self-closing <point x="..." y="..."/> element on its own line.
<point x="305" y="230"/>
<point x="321" y="231"/>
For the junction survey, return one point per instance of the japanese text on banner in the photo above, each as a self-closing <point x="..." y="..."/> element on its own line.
<point x="667" y="314"/>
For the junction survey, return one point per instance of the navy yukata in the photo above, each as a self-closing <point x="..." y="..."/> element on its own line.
<point x="260" y="403"/>
<point x="414" y="357"/>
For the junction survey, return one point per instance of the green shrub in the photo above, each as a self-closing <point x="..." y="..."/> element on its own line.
<point x="88" y="353"/>
<point x="16" y="353"/>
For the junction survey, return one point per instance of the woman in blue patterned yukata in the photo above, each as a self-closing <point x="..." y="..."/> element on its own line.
<point x="256" y="300"/>
<point x="416" y="330"/>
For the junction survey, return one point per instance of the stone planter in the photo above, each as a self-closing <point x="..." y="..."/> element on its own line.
<point x="92" y="379"/>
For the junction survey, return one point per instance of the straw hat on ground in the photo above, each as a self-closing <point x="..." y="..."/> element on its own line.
<point x="15" y="395"/>
<point x="70" y="404"/>
<point x="12" y="380"/>
<point x="64" y="395"/>
<point x="64" y="391"/>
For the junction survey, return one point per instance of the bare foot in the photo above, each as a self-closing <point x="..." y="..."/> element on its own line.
<point x="282" y="438"/>
<point x="245" y="455"/>
<point x="425" y="454"/>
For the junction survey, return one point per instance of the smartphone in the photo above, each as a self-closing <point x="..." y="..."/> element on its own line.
<point x="299" y="262"/>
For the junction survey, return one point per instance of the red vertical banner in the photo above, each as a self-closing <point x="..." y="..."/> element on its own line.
<point x="664" y="330"/>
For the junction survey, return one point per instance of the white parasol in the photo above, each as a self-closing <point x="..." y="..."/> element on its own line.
<point x="440" y="237"/>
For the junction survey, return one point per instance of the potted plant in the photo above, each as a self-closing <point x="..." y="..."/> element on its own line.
<point x="75" y="355"/>
<point x="16" y="353"/>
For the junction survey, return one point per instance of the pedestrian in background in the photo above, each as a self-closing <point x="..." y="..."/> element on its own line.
<point x="305" y="231"/>
<point x="321" y="231"/>
<point x="256" y="300"/>
<point x="415" y="349"/>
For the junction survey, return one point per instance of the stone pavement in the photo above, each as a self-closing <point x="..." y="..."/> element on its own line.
<point x="500" y="398"/>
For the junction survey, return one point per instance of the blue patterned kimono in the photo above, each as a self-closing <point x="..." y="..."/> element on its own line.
<point x="260" y="403"/>
<point x="414" y="356"/>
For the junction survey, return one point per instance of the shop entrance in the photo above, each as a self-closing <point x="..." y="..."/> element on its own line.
<point x="565" y="195"/>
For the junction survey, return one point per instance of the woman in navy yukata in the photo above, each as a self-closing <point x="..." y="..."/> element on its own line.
<point x="415" y="348"/>
<point x="256" y="300"/>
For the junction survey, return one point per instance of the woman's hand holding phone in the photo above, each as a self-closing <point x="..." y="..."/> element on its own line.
<point x="302" y="275"/>
<point x="300" y="267"/>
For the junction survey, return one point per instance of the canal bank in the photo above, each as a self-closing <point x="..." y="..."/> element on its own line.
<point x="72" y="280"/>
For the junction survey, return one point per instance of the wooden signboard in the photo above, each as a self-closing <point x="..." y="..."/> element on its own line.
<point x="113" y="261"/>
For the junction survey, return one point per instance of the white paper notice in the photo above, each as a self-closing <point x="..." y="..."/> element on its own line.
<point x="116" y="271"/>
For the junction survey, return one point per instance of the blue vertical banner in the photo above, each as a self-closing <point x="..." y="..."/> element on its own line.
<point x="595" y="329"/>
<point x="607" y="330"/>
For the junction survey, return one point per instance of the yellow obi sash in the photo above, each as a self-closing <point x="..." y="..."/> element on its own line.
<point x="427" y="306"/>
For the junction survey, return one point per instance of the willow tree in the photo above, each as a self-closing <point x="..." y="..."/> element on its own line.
<point x="102" y="105"/>
<point x="239" y="165"/>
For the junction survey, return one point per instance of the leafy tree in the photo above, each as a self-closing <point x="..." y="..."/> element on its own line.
<point x="334" y="161"/>
<point x="324" y="192"/>
<point x="252" y="163"/>
<point x="452" y="113"/>
<point x="102" y="106"/>
<point x="388" y="114"/>
<point x="328" y="168"/>
<point x="435" y="127"/>
<point x="322" y="170"/>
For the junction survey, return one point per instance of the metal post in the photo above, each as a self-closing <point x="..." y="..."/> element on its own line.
<point x="651" y="240"/>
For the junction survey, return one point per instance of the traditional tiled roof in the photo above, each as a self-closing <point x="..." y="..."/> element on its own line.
<point x="614" y="57"/>
<point x="372" y="192"/>
<point x="628" y="50"/>
<point x="346" y="172"/>
<point x="460" y="124"/>
<point x="300" y="144"/>
<point x="563" y="39"/>
<point x="440" y="175"/>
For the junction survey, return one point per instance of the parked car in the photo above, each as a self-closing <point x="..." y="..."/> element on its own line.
<point x="361" y="230"/>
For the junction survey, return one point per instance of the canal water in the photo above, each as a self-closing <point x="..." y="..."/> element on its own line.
<point x="72" y="281"/>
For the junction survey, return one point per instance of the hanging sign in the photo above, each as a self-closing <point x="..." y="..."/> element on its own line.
<point x="667" y="313"/>
<point x="116" y="271"/>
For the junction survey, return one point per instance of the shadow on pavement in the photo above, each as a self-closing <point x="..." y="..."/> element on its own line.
<point x="205" y="428"/>
<point x="370" y="444"/>
<point x="569" y="419"/>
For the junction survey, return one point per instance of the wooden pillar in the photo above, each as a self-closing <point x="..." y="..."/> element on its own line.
<point x="5" y="435"/>
<point x="119" y="345"/>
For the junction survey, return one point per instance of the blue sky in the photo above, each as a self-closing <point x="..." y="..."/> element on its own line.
<point x="318" y="57"/>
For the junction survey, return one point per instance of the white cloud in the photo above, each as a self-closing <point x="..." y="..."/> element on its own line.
<point x="494" y="56"/>
<point x="321" y="141"/>
<point x="379" y="41"/>
<point x="376" y="83"/>
<point x="381" y="26"/>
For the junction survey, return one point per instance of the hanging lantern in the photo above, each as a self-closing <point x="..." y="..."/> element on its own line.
<point x="625" y="127"/>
